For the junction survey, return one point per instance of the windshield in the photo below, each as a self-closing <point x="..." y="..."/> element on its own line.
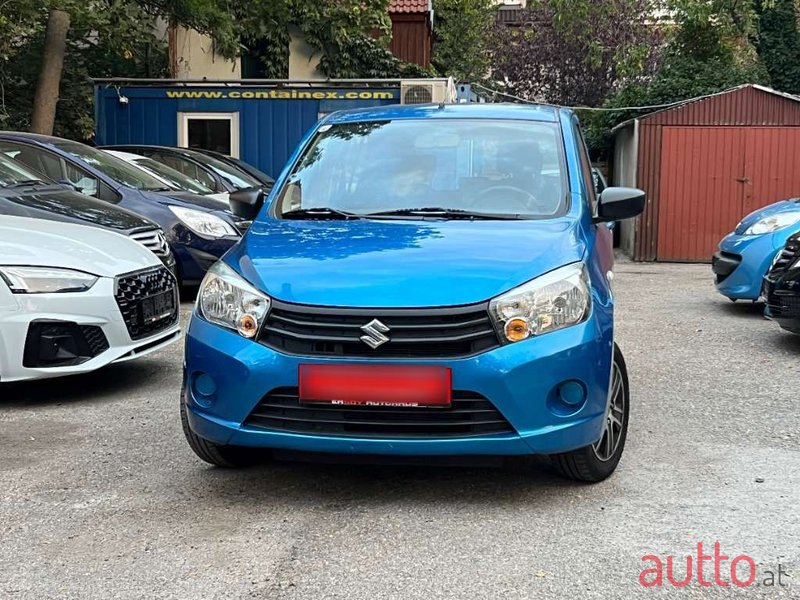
<point x="172" y="176"/>
<point x="482" y="166"/>
<point x="115" y="168"/>
<point x="14" y="173"/>
<point x="233" y="175"/>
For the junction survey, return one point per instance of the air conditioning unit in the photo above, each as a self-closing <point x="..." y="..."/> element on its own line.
<point x="427" y="91"/>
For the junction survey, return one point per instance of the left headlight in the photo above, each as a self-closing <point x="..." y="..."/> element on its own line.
<point x="46" y="280"/>
<point x="226" y="299"/>
<point x="204" y="223"/>
<point x="553" y="301"/>
<point x="772" y="223"/>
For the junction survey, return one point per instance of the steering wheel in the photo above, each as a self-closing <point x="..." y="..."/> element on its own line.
<point x="515" y="198"/>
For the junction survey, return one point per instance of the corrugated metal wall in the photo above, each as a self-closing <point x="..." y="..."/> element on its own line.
<point x="270" y="128"/>
<point x="683" y="150"/>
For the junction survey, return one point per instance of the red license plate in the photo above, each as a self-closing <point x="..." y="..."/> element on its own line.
<point x="375" y="385"/>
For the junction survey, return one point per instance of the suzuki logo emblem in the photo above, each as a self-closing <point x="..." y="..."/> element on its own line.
<point x="374" y="331"/>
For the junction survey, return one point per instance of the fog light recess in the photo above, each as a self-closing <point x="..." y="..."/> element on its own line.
<point x="204" y="388"/>
<point x="567" y="398"/>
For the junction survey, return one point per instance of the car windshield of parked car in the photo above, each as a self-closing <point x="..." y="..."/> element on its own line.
<point x="115" y="168"/>
<point x="172" y="176"/>
<point x="233" y="175"/>
<point x="13" y="173"/>
<point x="495" y="167"/>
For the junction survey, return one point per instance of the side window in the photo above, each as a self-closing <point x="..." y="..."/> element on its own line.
<point x="586" y="168"/>
<point x="84" y="181"/>
<point x="37" y="159"/>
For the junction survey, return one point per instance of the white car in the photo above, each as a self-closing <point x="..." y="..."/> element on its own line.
<point x="171" y="178"/>
<point x="75" y="298"/>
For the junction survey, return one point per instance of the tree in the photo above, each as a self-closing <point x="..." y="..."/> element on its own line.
<point x="462" y="31"/>
<point x="46" y="98"/>
<point x="779" y="43"/>
<point x="575" y="52"/>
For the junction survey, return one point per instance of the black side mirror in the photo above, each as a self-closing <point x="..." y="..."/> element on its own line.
<point x="617" y="203"/>
<point x="247" y="203"/>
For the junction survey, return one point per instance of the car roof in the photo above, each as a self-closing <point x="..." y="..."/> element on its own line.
<point x="33" y="137"/>
<point x="472" y="110"/>
<point x="172" y="149"/>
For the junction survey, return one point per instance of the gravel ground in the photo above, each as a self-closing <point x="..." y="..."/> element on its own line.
<point x="102" y="498"/>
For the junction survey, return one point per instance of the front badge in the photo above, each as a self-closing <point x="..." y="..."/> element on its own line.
<point x="374" y="331"/>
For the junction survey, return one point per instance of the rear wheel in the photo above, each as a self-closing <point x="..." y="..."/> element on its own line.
<point x="597" y="461"/>
<point x="217" y="454"/>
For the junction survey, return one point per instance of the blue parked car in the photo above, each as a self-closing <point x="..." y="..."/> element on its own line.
<point x="424" y="280"/>
<point x="745" y="254"/>
<point x="198" y="229"/>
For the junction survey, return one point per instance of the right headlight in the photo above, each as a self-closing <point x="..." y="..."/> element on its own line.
<point x="46" y="280"/>
<point x="553" y="301"/>
<point x="226" y="299"/>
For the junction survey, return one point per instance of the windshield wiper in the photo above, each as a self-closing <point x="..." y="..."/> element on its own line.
<point x="445" y="213"/>
<point x="320" y="213"/>
<point x="161" y="189"/>
<point x="26" y="183"/>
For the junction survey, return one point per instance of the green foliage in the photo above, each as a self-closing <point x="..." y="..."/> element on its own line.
<point x="462" y="31"/>
<point x="779" y="43"/>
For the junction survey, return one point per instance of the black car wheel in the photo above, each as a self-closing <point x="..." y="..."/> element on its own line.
<point x="598" y="461"/>
<point x="216" y="454"/>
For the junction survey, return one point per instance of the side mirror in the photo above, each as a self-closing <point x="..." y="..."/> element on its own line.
<point x="617" y="203"/>
<point x="599" y="181"/>
<point x="247" y="203"/>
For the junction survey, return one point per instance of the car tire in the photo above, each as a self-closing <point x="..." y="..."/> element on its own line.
<point x="596" y="462"/>
<point x="217" y="454"/>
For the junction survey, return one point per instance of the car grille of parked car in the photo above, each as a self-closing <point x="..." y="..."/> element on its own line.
<point x="789" y="254"/>
<point x="783" y="306"/>
<point x="470" y="414"/>
<point x="139" y="294"/>
<point x="153" y="240"/>
<point x="411" y="333"/>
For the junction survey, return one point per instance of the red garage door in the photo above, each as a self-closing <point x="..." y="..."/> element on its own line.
<point x="712" y="176"/>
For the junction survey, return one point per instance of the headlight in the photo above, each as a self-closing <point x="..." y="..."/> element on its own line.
<point x="228" y="300"/>
<point x="553" y="301"/>
<point x="46" y="280"/>
<point x="203" y="223"/>
<point x="772" y="223"/>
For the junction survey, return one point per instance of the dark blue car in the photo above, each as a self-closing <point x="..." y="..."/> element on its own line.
<point x="198" y="229"/>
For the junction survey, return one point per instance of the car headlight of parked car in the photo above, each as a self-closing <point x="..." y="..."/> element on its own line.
<point x="553" y="301"/>
<point x="226" y="299"/>
<point x="203" y="223"/>
<point x="772" y="223"/>
<point x="46" y="280"/>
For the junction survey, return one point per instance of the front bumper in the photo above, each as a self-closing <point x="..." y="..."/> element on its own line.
<point x="783" y="301"/>
<point x="521" y="381"/>
<point x="741" y="263"/>
<point x="194" y="255"/>
<point x="21" y="318"/>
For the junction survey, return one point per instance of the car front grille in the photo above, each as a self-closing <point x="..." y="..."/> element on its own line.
<point x="784" y="306"/>
<point x="134" y="289"/>
<point x="153" y="240"/>
<point x="429" y="332"/>
<point x="789" y="254"/>
<point x="469" y="415"/>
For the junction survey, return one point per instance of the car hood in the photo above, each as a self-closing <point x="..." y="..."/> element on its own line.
<point x="784" y="206"/>
<point x="400" y="263"/>
<point x="34" y="242"/>
<point x="65" y="205"/>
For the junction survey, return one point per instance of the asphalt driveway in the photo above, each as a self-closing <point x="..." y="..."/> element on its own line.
<point x="100" y="497"/>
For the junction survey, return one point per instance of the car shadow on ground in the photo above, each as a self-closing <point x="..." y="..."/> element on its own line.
<point x="742" y="308"/>
<point x="96" y="386"/>
<point x="349" y="484"/>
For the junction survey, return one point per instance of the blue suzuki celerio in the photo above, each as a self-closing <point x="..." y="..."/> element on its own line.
<point x="422" y="280"/>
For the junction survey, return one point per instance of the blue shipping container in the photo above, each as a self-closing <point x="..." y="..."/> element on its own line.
<point x="270" y="120"/>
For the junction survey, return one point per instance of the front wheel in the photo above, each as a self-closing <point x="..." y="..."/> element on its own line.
<point x="597" y="461"/>
<point x="216" y="454"/>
